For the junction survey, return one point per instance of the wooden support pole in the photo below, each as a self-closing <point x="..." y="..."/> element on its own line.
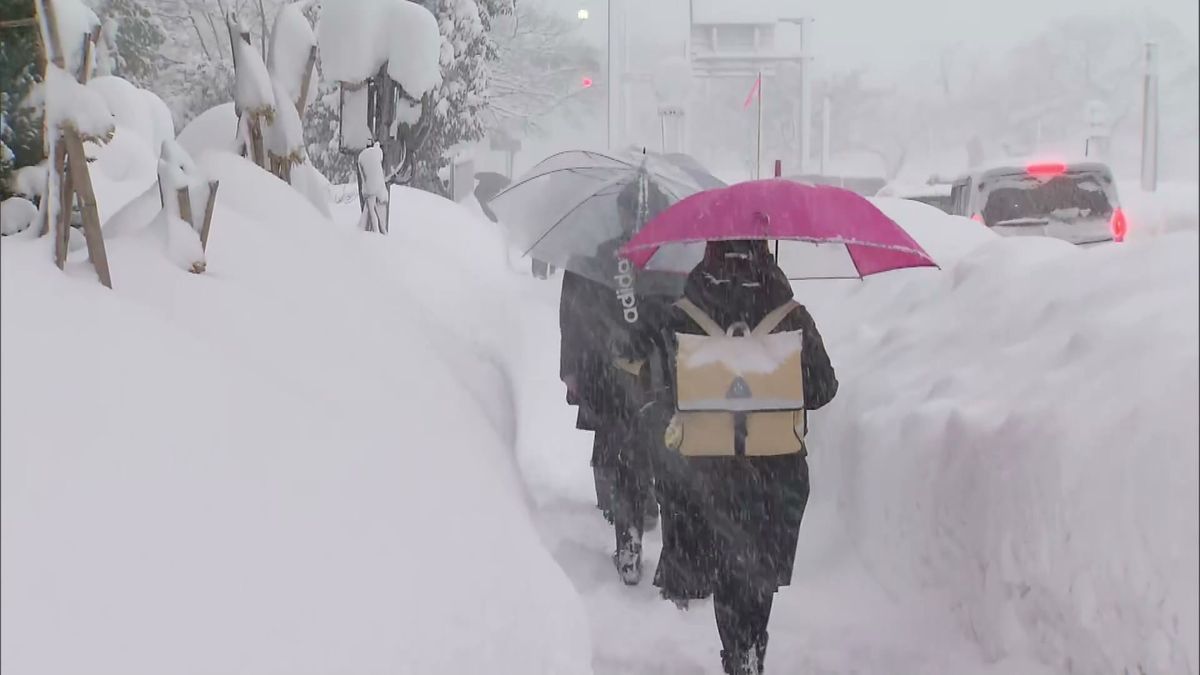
<point x="89" y="56"/>
<point x="50" y="17"/>
<point x="19" y="23"/>
<point x="208" y="213"/>
<point x="257" y="148"/>
<point x="309" y="72"/>
<point x="185" y="206"/>
<point x="77" y="163"/>
<point x="66" y="198"/>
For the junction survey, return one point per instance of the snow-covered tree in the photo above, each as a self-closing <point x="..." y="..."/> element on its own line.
<point x="20" y="125"/>
<point x="539" y="66"/>
<point x="133" y="36"/>
<point x="455" y="113"/>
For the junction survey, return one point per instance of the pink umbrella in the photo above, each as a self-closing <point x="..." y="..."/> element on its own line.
<point x="829" y="232"/>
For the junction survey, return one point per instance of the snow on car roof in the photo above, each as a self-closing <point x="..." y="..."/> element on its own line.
<point x="904" y="190"/>
<point x="1018" y="165"/>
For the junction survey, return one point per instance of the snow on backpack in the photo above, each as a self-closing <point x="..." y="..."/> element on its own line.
<point x="739" y="392"/>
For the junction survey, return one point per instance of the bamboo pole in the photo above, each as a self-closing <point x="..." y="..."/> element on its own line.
<point x="208" y="213"/>
<point x="77" y="163"/>
<point x="50" y="17"/>
<point x="185" y="206"/>
<point x="19" y="23"/>
<point x="89" y="56"/>
<point x="302" y="103"/>
<point x="62" y="225"/>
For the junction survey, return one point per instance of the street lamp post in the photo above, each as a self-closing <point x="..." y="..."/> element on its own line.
<point x="610" y="71"/>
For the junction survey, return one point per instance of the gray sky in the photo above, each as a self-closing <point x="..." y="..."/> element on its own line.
<point x="890" y="35"/>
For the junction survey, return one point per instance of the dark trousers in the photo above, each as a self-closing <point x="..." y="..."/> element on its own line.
<point x="742" y="614"/>
<point x="624" y="490"/>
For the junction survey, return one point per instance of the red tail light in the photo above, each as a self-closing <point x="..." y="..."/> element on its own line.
<point x="1119" y="225"/>
<point x="978" y="218"/>
<point x="1046" y="169"/>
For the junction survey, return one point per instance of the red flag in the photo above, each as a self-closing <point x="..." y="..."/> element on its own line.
<point x="754" y="91"/>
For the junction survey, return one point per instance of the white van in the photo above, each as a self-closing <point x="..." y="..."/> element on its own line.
<point x="1074" y="202"/>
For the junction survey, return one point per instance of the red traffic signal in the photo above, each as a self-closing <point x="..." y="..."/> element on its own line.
<point x="586" y="82"/>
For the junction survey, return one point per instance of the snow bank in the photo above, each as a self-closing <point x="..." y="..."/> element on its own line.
<point x="139" y="110"/>
<point x="308" y="467"/>
<point x="358" y="36"/>
<point x="1017" y="435"/>
<point x="214" y="129"/>
<point x="16" y="214"/>
<point x="122" y="169"/>
<point x="945" y="238"/>
<point x="1174" y="207"/>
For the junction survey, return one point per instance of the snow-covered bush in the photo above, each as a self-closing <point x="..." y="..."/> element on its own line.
<point x="131" y="41"/>
<point x="454" y="113"/>
<point x="16" y="215"/>
<point x="292" y="42"/>
<point x="20" y="124"/>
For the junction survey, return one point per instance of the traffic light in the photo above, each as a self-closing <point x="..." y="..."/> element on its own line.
<point x="586" y="82"/>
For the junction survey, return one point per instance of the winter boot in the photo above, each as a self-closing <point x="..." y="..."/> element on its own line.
<point x="760" y="651"/>
<point x="628" y="558"/>
<point x="741" y="662"/>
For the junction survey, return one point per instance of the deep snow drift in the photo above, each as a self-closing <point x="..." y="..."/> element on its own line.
<point x="298" y="462"/>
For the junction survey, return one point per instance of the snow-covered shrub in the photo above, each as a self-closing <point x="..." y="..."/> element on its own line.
<point x="292" y="42"/>
<point x="131" y="41"/>
<point x="454" y="113"/>
<point x="16" y="215"/>
<point x="20" y="124"/>
<point x="321" y="135"/>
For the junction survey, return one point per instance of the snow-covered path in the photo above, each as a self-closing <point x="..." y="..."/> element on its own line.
<point x="835" y="618"/>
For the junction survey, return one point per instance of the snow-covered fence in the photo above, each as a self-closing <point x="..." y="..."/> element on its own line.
<point x="179" y="176"/>
<point x="73" y="114"/>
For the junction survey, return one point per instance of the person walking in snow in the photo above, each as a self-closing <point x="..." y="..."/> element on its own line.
<point x="603" y="332"/>
<point x="733" y="490"/>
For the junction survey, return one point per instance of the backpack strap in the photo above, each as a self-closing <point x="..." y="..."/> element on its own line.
<point x="703" y="320"/>
<point x="771" y="321"/>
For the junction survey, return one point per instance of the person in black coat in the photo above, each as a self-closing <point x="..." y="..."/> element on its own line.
<point x="730" y="524"/>
<point x="602" y="362"/>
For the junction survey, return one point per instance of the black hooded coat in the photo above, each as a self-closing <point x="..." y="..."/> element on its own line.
<point x="737" y="517"/>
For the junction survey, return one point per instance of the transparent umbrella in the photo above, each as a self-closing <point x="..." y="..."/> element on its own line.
<point x="569" y="210"/>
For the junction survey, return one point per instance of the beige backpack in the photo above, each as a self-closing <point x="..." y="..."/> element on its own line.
<point x="738" y="391"/>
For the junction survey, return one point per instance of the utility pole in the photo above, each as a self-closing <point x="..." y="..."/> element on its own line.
<point x="805" y="132"/>
<point x="825" y="120"/>
<point x="610" y="98"/>
<point x="1150" y="120"/>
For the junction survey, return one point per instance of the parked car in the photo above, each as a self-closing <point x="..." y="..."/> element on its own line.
<point x="1075" y="202"/>
<point x="933" y="193"/>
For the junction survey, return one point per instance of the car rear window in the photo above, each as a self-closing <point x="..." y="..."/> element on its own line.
<point x="1067" y="197"/>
